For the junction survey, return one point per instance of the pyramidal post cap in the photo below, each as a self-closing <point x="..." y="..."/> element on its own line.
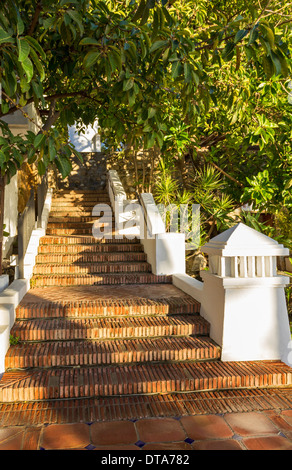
<point x="241" y="240"/>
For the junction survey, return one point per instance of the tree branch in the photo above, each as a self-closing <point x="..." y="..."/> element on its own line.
<point x="35" y="18"/>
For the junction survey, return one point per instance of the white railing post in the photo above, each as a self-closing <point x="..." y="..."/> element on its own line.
<point x="244" y="298"/>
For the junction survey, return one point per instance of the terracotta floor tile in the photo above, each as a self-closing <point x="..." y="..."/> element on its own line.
<point x="206" y="427"/>
<point x="220" y="444"/>
<point x="31" y="438"/>
<point x="65" y="436"/>
<point x="287" y="415"/>
<point x="168" y="446"/>
<point x="117" y="447"/>
<point x="13" y="443"/>
<point x="268" y="443"/>
<point x="280" y="421"/>
<point x="113" y="433"/>
<point x="9" y="432"/>
<point x="160" y="430"/>
<point x="252" y="423"/>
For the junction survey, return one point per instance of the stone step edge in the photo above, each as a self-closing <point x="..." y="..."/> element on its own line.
<point x="92" y="257"/>
<point x="91" y="268"/>
<point x="84" y="240"/>
<point x="71" y="249"/>
<point x="88" y="353"/>
<point x="105" y="307"/>
<point x="98" y="279"/>
<point x="124" y="408"/>
<point x="139" y="379"/>
<point x="63" y="329"/>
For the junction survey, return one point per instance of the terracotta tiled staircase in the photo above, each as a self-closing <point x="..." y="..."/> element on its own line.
<point x="98" y="323"/>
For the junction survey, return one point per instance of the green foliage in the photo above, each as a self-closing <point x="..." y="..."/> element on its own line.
<point x="13" y="339"/>
<point x="207" y="190"/>
<point x="134" y="65"/>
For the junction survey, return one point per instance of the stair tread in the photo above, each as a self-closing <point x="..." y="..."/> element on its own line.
<point x="107" y="327"/>
<point x="60" y="383"/>
<point x="96" y="352"/>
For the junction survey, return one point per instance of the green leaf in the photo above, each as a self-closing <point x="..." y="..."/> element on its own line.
<point x="176" y="69"/>
<point x="276" y="62"/>
<point x="48" y="22"/>
<point x="5" y="37"/>
<point x="2" y="159"/>
<point x="158" y="45"/>
<point x="77" y="18"/>
<point x="88" y="41"/>
<point x="33" y="43"/>
<point x="268" y="34"/>
<point x="23" y="49"/>
<point x="38" y="65"/>
<point x="228" y="52"/>
<point x="253" y="35"/>
<point x="91" y="58"/>
<point x="151" y="112"/>
<point x="64" y="165"/>
<point x="52" y="150"/>
<point x="188" y="72"/>
<point x="38" y="140"/>
<point x="28" y="68"/>
<point x="240" y="35"/>
<point x="20" y="25"/>
<point x="41" y="168"/>
<point x="128" y="84"/>
<point x="139" y="11"/>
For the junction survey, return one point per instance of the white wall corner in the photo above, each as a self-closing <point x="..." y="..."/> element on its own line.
<point x="9" y="299"/>
<point x="189" y="285"/>
<point x="170" y="253"/>
<point x="4" y="282"/>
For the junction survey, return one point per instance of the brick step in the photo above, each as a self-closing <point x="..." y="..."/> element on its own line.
<point x="80" y="197"/>
<point x="88" y="353"/>
<point x="151" y="378"/>
<point x="72" y="210"/>
<point x="90" y="249"/>
<point x="70" y="214"/>
<point x="98" y="279"/>
<point x="80" y="225"/>
<point x="92" y="268"/>
<point x="109" y="409"/>
<point x="71" y="231"/>
<point x="76" y="219"/>
<point x="85" y="240"/>
<point x="108" y="307"/>
<point x="108" y="328"/>
<point x="64" y="205"/>
<point x="90" y="257"/>
<point x="78" y="192"/>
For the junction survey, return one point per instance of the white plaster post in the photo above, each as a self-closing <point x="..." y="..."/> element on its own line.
<point x="244" y="298"/>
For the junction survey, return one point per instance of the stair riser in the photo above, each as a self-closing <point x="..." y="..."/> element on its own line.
<point x="138" y="379"/>
<point x="71" y="250"/>
<point x="89" y="241"/>
<point x="69" y="220"/>
<point x="78" y="231"/>
<point x="92" y="268"/>
<point x="105" y="308"/>
<point x="91" y="257"/>
<point x="106" y="353"/>
<point x="80" y="205"/>
<point x="85" y="330"/>
<point x="102" y="279"/>
<point x="80" y="225"/>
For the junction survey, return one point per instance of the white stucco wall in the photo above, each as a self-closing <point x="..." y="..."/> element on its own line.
<point x="87" y="141"/>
